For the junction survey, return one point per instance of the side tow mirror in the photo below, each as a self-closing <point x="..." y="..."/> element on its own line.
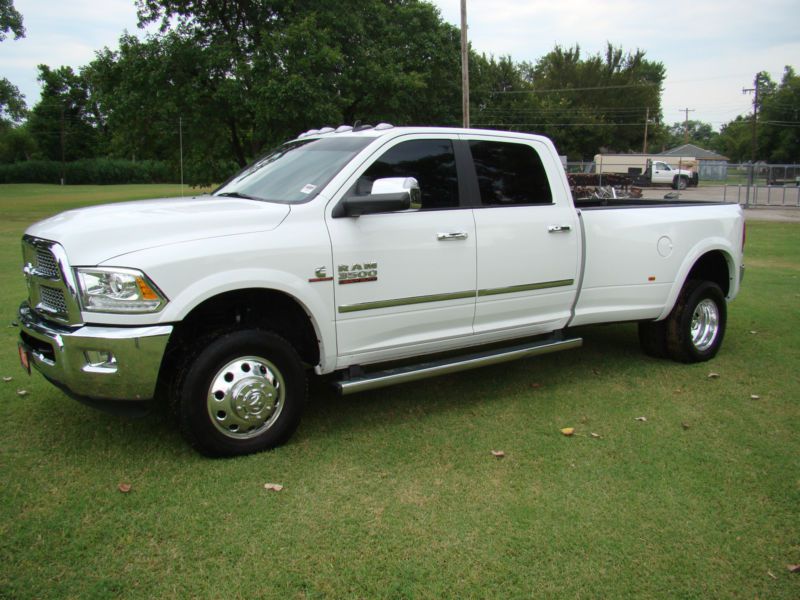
<point x="387" y="195"/>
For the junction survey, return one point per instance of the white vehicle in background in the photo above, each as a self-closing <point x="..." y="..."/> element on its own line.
<point x="349" y="252"/>
<point x="646" y="171"/>
<point x="660" y="173"/>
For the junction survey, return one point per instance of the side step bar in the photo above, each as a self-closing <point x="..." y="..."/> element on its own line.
<point x="379" y="379"/>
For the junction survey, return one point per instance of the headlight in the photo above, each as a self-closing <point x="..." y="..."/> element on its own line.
<point x="118" y="291"/>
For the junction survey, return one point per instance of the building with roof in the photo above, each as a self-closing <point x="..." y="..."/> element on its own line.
<point x="710" y="165"/>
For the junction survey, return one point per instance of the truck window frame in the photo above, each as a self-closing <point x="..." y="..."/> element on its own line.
<point x="474" y="182"/>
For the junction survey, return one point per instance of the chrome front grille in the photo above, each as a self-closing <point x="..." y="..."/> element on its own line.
<point x="53" y="300"/>
<point x="51" y="283"/>
<point x="46" y="264"/>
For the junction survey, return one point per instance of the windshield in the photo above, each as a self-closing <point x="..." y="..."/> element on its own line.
<point x="295" y="172"/>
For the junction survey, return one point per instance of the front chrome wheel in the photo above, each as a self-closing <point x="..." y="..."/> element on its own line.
<point x="240" y="392"/>
<point x="705" y="325"/>
<point x="246" y="397"/>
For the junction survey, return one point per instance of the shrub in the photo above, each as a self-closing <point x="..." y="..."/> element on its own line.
<point x="90" y="171"/>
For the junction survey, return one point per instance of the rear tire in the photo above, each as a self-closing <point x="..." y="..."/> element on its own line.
<point x="241" y="392"/>
<point x="696" y="326"/>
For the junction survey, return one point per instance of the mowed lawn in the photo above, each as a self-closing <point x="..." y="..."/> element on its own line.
<point x="396" y="494"/>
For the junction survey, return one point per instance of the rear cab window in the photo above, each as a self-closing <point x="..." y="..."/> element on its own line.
<point x="509" y="174"/>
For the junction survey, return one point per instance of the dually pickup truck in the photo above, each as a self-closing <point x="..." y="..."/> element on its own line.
<point x="375" y="255"/>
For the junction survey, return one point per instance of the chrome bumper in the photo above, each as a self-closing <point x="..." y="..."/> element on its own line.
<point x="95" y="362"/>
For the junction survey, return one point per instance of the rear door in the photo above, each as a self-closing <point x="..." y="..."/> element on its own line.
<point x="528" y="237"/>
<point x="405" y="278"/>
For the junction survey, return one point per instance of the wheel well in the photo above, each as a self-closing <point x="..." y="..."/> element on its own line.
<point x="712" y="266"/>
<point x="251" y="308"/>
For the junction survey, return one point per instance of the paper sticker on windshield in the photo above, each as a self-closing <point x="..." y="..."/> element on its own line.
<point x="308" y="188"/>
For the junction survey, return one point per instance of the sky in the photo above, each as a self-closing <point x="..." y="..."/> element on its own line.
<point x="712" y="49"/>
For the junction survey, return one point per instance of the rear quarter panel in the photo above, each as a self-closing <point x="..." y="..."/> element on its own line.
<point x="637" y="258"/>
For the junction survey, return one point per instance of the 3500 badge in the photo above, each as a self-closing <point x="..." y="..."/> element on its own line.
<point x="358" y="273"/>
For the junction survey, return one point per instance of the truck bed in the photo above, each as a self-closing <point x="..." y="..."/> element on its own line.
<point x="600" y="203"/>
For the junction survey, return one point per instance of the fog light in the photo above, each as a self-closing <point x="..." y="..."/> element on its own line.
<point x="100" y="360"/>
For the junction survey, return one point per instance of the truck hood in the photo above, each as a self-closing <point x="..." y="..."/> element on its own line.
<point x="97" y="234"/>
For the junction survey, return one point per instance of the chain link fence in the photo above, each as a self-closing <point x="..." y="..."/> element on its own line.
<point x="748" y="184"/>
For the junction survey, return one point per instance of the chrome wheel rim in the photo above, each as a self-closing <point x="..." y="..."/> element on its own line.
<point x="705" y="325"/>
<point x="246" y="397"/>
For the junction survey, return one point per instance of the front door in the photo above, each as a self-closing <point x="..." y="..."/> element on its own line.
<point x="405" y="278"/>
<point x="662" y="173"/>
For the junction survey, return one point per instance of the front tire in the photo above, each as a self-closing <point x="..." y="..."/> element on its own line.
<point x="696" y="326"/>
<point x="242" y="392"/>
<point x="679" y="183"/>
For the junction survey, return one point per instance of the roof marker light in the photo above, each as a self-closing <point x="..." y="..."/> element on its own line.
<point x="382" y="126"/>
<point x="343" y="128"/>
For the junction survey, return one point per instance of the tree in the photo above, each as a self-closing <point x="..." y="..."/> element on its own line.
<point x="244" y="76"/>
<point x="62" y="123"/>
<point x="10" y="21"/>
<point x="12" y="104"/>
<point x="778" y="125"/>
<point x="583" y="104"/>
<point x="16" y="144"/>
<point x="734" y="140"/>
<point x="779" y="120"/>
<point x="700" y="134"/>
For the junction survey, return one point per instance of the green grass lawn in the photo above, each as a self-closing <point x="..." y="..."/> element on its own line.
<point x="395" y="493"/>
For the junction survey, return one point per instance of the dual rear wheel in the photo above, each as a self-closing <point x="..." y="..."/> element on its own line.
<point x="694" y="330"/>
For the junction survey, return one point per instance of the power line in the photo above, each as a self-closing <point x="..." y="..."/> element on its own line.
<point x="580" y="89"/>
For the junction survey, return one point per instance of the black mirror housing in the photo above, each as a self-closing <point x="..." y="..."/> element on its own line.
<point x="355" y="206"/>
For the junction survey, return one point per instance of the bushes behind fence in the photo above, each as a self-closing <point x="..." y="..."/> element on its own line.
<point x="90" y="171"/>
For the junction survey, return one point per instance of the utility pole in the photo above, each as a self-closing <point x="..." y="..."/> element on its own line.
<point x="464" y="65"/>
<point x="646" y="122"/>
<point x="754" y="90"/>
<point x="63" y="145"/>
<point x="686" y="123"/>
<point x="754" y="149"/>
<point x="180" y="137"/>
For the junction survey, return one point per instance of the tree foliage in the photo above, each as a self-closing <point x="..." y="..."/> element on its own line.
<point x="778" y="124"/>
<point x="699" y="133"/>
<point x="12" y="104"/>
<point x="779" y="120"/>
<point x="10" y="21"/>
<point x="582" y="103"/>
<point x="236" y="78"/>
<point x="229" y="80"/>
<point x="65" y="123"/>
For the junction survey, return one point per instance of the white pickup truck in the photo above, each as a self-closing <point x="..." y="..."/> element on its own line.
<point x="660" y="173"/>
<point x="344" y="252"/>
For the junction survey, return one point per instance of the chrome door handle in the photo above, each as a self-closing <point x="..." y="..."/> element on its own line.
<point x="557" y="228"/>
<point x="456" y="235"/>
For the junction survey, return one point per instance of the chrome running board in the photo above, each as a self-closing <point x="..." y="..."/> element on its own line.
<point x="379" y="379"/>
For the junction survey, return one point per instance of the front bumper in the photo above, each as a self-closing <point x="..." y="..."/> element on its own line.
<point x="95" y="362"/>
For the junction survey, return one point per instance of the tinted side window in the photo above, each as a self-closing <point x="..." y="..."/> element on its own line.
<point x="431" y="162"/>
<point x="510" y="174"/>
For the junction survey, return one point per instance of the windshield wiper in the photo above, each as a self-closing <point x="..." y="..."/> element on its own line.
<point x="241" y="195"/>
